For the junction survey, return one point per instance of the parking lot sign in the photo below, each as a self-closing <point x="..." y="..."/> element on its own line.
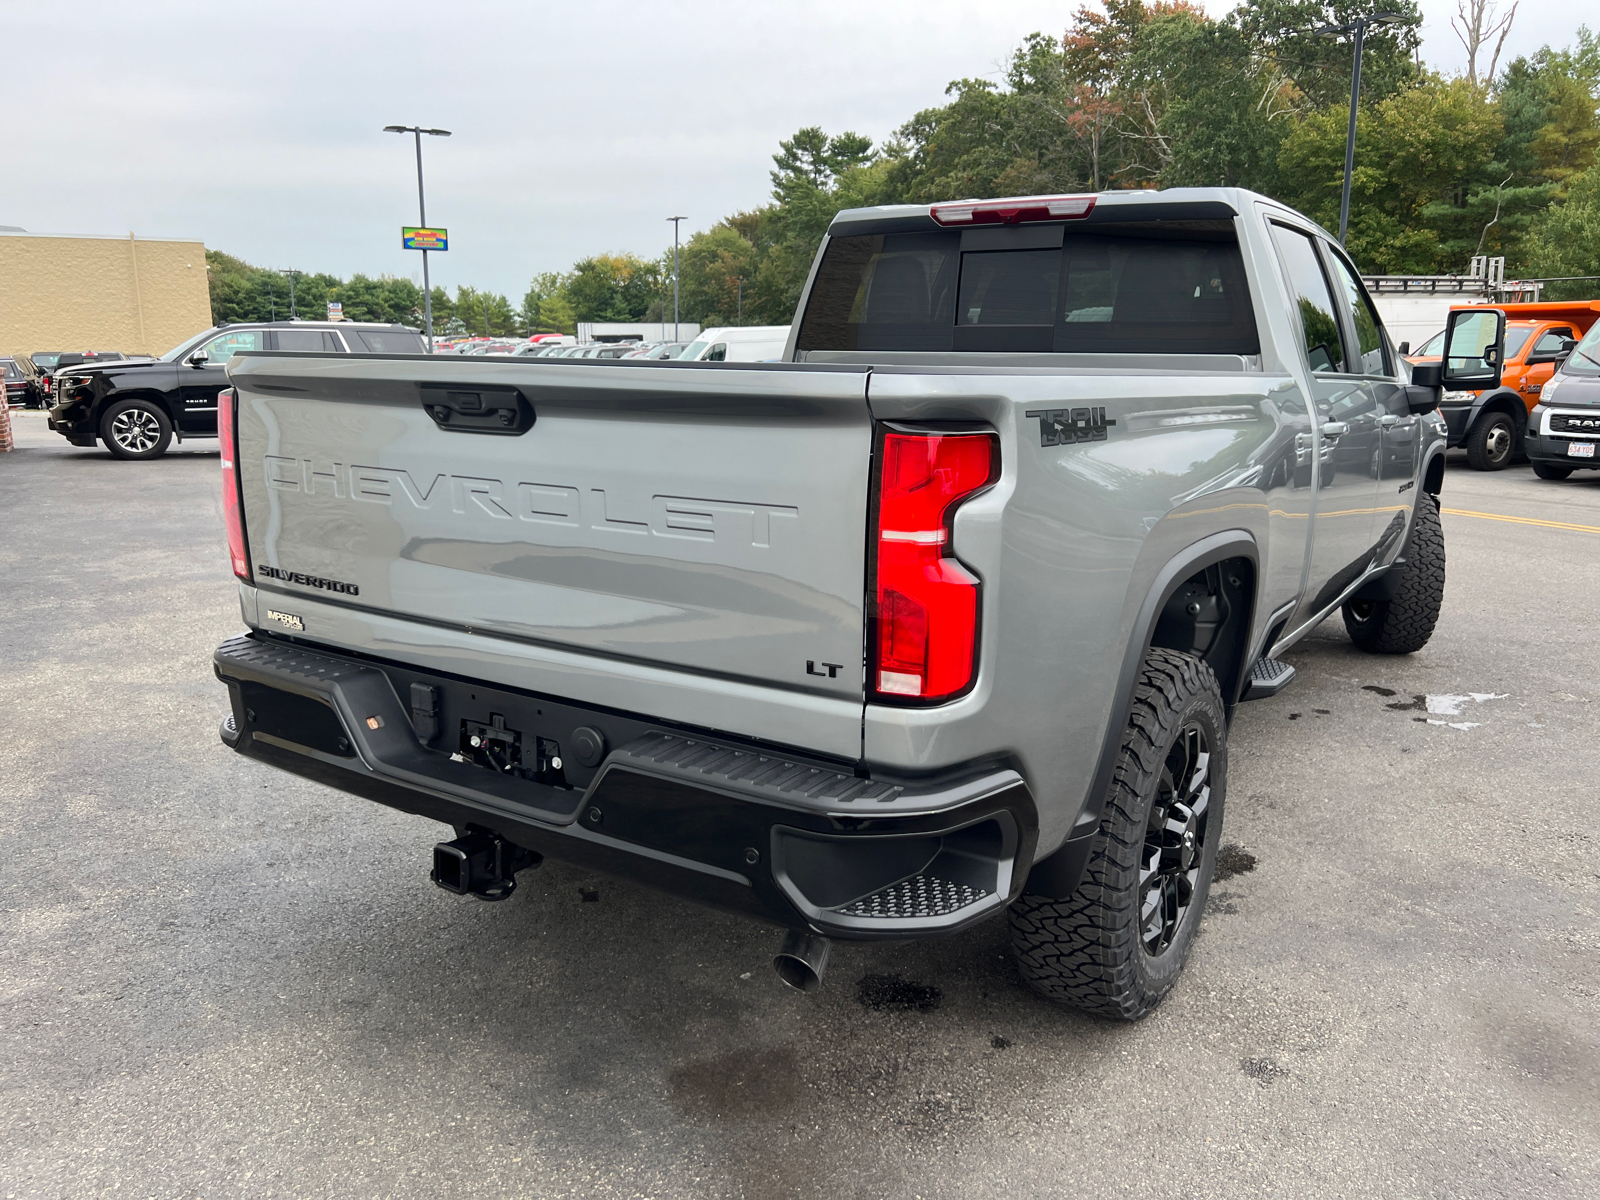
<point x="418" y="237"/>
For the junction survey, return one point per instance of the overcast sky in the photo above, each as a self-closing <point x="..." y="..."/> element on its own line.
<point x="577" y="128"/>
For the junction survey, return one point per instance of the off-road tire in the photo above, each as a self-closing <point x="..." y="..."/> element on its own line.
<point x="1492" y="442"/>
<point x="1404" y="624"/>
<point x="1089" y="950"/>
<point x="1546" y="471"/>
<point x="135" y="429"/>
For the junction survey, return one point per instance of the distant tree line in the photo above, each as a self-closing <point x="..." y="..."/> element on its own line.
<point x="1496" y="161"/>
<point x="241" y="292"/>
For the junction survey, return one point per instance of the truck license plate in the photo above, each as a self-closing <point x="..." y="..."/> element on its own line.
<point x="1580" y="449"/>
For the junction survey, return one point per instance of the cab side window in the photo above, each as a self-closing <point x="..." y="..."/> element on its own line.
<point x="1308" y="289"/>
<point x="223" y="347"/>
<point x="1373" y="358"/>
<point x="717" y="353"/>
<point x="1550" y="345"/>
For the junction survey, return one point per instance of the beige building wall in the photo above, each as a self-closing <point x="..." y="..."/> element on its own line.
<point x="137" y="295"/>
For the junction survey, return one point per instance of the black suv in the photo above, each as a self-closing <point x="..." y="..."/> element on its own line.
<point x="136" y="406"/>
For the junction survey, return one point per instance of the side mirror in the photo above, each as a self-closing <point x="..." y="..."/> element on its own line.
<point x="1420" y="399"/>
<point x="1403" y="349"/>
<point x="1422" y="393"/>
<point x="1474" y="346"/>
<point x="198" y="359"/>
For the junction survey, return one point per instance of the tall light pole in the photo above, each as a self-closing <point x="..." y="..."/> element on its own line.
<point x="291" y="274"/>
<point x="1358" y="27"/>
<point x="740" y="319"/>
<point x="675" y="221"/>
<point x="422" y="219"/>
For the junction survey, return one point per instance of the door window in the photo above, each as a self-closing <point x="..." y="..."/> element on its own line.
<point x="306" y="341"/>
<point x="1308" y="289"/>
<point x="385" y="341"/>
<point x="1373" y="357"/>
<point x="1550" y="344"/>
<point x="717" y="353"/>
<point x="223" y="347"/>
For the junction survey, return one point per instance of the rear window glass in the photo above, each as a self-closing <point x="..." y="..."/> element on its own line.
<point x="1118" y="288"/>
<point x="386" y="341"/>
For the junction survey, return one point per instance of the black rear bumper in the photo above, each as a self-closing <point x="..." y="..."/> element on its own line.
<point x="802" y="842"/>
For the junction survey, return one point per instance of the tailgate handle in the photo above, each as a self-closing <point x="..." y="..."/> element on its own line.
<point x="461" y="408"/>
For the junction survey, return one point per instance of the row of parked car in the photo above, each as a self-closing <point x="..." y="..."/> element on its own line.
<point x="136" y="407"/>
<point x="27" y="376"/>
<point x="744" y="343"/>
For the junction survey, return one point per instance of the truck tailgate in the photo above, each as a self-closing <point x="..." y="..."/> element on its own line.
<point x="710" y="519"/>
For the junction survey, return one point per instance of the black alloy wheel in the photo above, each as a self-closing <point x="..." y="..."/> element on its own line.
<point x="1174" y="841"/>
<point x="1116" y="945"/>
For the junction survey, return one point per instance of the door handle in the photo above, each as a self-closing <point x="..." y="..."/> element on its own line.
<point x="1388" y="419"/>
<point x="1333" y="429"/>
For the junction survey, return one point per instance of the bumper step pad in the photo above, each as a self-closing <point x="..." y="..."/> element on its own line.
<point x="920" y="897"/>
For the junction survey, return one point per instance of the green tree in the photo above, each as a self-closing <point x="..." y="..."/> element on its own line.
<point x="711" y="266"/>
<point x="1565" y="239"/>
<point x="1565" y="145"/>
<point x="546" y="307"/>
<point x="613" y="287"/>
<point x="485" y="314"/>
<point x="1419" y="147"/>
<point x="1285" y="33"/>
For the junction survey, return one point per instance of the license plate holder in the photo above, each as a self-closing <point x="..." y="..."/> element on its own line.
<point x="1580" y="449"/>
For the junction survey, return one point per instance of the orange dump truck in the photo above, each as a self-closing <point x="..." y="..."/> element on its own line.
<point x="1539" y="337"/>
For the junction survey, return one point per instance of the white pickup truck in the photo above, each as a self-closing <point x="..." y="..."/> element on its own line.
<point x="942" y="617"/>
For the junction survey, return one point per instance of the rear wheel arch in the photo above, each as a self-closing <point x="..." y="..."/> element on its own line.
<point x="1212" y="561"/>
<point x="1433" y="474"/>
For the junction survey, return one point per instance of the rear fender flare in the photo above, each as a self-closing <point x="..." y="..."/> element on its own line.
<point x="1057" y="875"/>
<point x="1432" y="476"/>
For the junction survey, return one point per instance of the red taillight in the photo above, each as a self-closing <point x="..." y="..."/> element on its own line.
<point x="925" y="618"/>
<point x="1013" y="210"/>
<point x="232" y="509"/>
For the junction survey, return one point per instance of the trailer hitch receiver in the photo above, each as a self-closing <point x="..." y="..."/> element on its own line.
<point x="480" y="864"/>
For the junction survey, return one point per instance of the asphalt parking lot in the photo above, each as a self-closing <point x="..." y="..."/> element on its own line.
<point x="218" y="980"/>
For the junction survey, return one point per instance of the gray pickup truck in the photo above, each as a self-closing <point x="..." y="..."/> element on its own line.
<point x="945" y="614"/>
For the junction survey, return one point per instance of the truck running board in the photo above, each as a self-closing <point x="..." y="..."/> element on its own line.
<point x="1267" y="678"/>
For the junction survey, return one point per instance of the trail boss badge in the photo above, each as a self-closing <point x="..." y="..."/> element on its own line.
<point x="1064" y="426"/>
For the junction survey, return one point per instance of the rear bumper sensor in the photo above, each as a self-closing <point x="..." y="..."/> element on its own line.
<point x="807" y="842"/>
<point x="1268" y="677"/>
